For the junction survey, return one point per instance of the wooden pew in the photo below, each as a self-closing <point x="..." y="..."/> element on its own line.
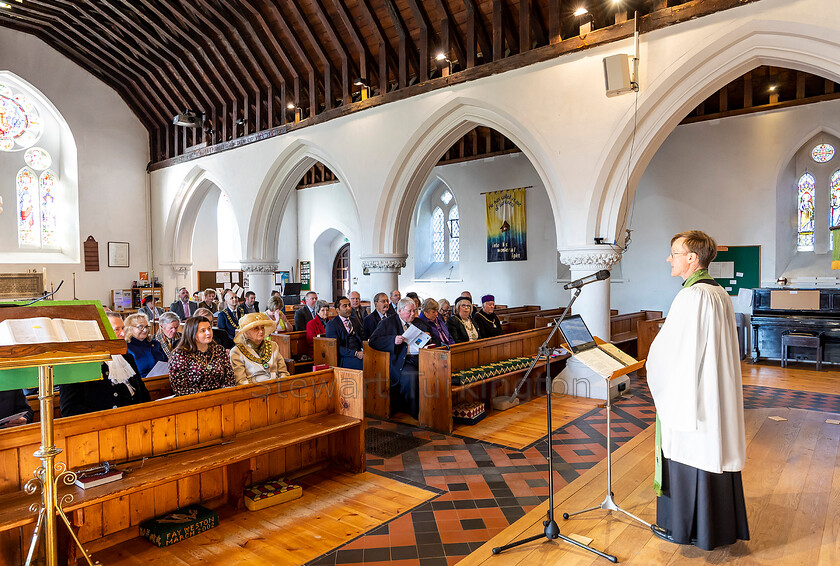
<point x="269" y="429"/>
<point x="515" y="310"/>
<point x="325" y="351"/>
<point x="647" y="331"/>
<point x="376" y="374"/>
<point x="293" y="345"/>
<point x="438" y="395"/>
<point x="623" y="329"/>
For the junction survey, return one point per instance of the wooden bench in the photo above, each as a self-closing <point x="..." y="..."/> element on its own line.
<point x="269" y="429"/>
<point x="500" y="310"/>
<point x="293" y="345"/>
<point x="624" y="329"/>
<point x="376" y="374"/>
<point x="647" y="331"/>
<point x="436" y="367"/>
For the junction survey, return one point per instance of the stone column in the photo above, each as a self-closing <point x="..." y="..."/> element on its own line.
<point x="593" y="305"/>
<point x="182" y="273"/>
<point x="384" y="270"/>
<point x="260" y="278"/>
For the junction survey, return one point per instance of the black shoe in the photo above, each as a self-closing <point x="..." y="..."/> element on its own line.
<point x="665" y="535"/>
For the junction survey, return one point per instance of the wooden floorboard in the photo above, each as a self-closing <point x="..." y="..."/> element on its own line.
<point x="335" y="508"/>
<point x="797" y="377"/>
<point x="791" y="482"/>
<point x="524" y="424"/>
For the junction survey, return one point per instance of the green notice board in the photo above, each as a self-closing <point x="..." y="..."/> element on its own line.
<point x="305" y="275"/>
<point x="739" y="267"/>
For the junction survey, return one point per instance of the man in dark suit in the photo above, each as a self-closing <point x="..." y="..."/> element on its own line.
<point x="388" y="337"/>
<point x="227" y="319"/>
<point x="357" y="311"/>
<point x="306" y="312"/>
<point x="348" y="334"/>
<point x="13" y="402"/>
<point x="183" y="307"/>
<point x="395" y="298"/>
<point x="380" y="311"/>
<point x="251" y="302"/>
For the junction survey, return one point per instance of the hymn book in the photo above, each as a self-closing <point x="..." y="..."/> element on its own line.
<point x="40" y="330"/>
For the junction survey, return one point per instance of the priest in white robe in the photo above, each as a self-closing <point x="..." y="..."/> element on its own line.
<point x="694" y="375"/>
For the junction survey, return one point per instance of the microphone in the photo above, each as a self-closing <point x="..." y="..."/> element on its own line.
<point x="598" y="276"/>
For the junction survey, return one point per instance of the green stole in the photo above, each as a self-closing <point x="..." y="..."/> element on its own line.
<point x="698" y="275"/>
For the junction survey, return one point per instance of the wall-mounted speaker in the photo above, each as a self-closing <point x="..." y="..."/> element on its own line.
<point x="618" y="76"/>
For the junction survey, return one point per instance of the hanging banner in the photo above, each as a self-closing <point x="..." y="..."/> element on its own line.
<point x="305" y="275"/>
<point x="506" y="225"/>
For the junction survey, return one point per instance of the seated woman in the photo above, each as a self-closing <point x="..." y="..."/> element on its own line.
<point x="119" y="386"/>
<point x="275" y="313"/>
<point x="209" y="301"/>
<point x="317" y="326"/>
<point x="438" y="330"/>
<point x="197" y="363"/>
<point x="445" y="309"/>
<point x="145" y="349"/>
<point x="168" y="334"/>
<point x="149" y="309"/>
<point x="219" y="335"/>
<point x="254" y="358"/>
<point x="460" y="324"/>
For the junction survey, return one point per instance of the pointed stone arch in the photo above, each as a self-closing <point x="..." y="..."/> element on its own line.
<point x="668" y="99"/>
<point x="411" y="170"/>
<point x="275" y="190"/>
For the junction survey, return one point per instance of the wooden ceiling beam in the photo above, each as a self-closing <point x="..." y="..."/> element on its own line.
<point x="61" y="16"/>
<point x="407" y="49"/>
<point x="475" y="20"/>
<point x="211" y="66"/>
<point x="365" y="56"/>
<point x="302" y="55"/>
<point x="348" y="65"/>
<point x="328" y="65"/>
<point x="511" y="33"/>
<point x="429" y="38"/>
<point x="454" y="37"/>
<point x="540" y="33"/>
<point x="181" y="85"/>
<point x="387" y="54"/>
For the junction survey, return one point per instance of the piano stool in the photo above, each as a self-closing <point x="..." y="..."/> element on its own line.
<point x="801" y="340"/>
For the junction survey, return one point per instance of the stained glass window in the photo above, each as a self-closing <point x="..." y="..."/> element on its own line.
<point x="437" y="235"/>
<point x="446" y="197"/>
<point x="822" y="153"/>
<point x="37" y="158"/>
<point x="20" y="124"/>
<point x="805" y="220"/>
<point x="834" y="193"/>
<point x="454" y="234"/>
<point x="48" y="223"/>
<point x="27" y="201"/>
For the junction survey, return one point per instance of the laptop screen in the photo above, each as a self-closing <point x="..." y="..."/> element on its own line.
<point x="576" y="333"/>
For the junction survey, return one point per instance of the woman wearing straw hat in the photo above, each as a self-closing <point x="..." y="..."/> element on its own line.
<point x="254" y="358"/>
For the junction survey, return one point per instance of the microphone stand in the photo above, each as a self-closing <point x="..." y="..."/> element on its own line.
<point x="551" y="531"/>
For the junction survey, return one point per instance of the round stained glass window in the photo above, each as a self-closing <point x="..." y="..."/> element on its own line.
<point x="822" y="153"/>
<point x="37" y="158"/>
<point x="20" y="124"/>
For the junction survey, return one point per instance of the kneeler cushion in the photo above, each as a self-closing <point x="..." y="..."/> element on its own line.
<point x="262" y="495"/>
<point x="179" y="525"/>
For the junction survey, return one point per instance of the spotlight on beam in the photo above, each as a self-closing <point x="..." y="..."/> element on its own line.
<point x="581" y="11"/>
<point x="440" y="56"/>
<point x="189" y="119"/>
<point x="361" y="81"/>
<point x="290" y="106"/>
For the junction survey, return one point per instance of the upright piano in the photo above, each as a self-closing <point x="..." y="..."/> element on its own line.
<point x="807" y="310"/>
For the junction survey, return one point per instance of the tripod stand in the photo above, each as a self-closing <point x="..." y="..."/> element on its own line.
<point x="608" y="503"/>
<point x="551" y="531"/>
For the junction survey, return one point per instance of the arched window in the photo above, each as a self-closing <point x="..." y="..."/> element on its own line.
<point x="437" y="235"/>
<point x="48" y="216"/>
<point x="805" y="214"/>
<point x="27" y="207"/>
<point x="454" y="234"/>
<point x="834" y="192"/>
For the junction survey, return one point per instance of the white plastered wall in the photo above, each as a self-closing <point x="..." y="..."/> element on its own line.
<point x="112" y="152"/>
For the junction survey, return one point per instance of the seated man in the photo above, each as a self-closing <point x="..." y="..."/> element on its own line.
<point x="183" y="307"/>
<point x="388" y="337"/>
<point x="348" y="335"/>
<point x="119" y="386"/>
<point x="395" y="299"/>
<point x="307" y="312"/>
<point x="486" y="321"/>
<point x="228" y="317"/>
<point x="357" y="310"/>
<point x="251" y="303"/>
<point x="380" y="312"/>
<point x="12" y="403"/>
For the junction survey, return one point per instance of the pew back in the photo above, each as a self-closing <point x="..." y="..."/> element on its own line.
<point x="647" y="331"/>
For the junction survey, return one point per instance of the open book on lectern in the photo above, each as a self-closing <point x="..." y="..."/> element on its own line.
<point x="604" y="359"/>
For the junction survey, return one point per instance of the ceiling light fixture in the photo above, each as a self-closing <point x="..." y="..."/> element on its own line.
<point x="189" y="119"/>
<point x="581" y="11"/>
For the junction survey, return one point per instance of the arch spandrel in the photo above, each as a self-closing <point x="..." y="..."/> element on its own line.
<point x="670" y="97"/>
<point x="414" y="164"/>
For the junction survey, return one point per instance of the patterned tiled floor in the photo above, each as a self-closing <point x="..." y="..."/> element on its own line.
<point x="485" y="487"/>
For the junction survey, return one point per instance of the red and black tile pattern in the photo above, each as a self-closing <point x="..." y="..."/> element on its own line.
<point x="485" y="487"/>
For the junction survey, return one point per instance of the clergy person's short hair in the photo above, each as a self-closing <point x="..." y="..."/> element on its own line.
<point x="700" y="243"/>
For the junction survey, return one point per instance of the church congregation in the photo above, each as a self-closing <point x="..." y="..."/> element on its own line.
<point x="282" y="282"/>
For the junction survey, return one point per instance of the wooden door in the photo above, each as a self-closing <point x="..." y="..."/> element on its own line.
<point x="341" y="272"/>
